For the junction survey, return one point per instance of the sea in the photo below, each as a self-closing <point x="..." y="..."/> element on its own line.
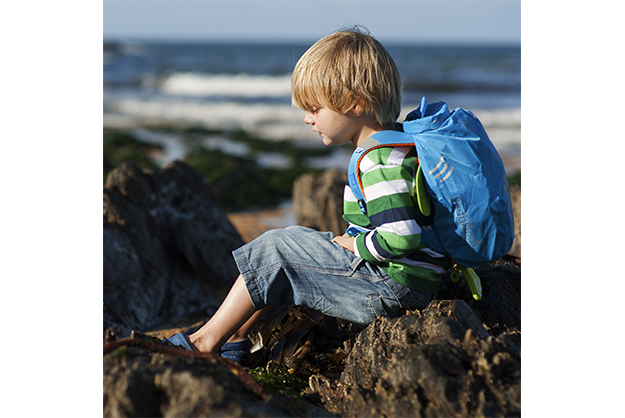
<point x="223" y="87"/>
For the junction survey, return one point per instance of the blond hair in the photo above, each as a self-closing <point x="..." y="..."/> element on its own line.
<point x="344" y="67"/>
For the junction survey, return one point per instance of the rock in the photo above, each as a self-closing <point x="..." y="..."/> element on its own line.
<point x="430" y="365"/>
<point x="167" y="254"/>
<point x="500" y="306"/>
<point x="318" y="201"/>
<point x="515" y="196"/>
<point x="167" y="247"/>
<point x="459" y="311"/>
<point x="140" y="381"/>
<point x="457" y="357"/>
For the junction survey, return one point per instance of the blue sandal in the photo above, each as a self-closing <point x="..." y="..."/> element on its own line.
<point x="238" y="351"/>
<point x="179" y="341"/>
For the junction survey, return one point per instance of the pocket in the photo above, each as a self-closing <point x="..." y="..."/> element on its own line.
<point x="353" y="266"/>
<point x="362" y="269"/>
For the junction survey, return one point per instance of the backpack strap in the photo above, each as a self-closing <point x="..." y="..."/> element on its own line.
<point x="378" y="140"/>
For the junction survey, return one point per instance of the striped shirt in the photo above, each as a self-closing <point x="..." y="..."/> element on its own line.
<point x="393" y="240"/>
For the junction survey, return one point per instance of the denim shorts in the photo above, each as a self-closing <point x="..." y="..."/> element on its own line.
<point x="302" y="266"/>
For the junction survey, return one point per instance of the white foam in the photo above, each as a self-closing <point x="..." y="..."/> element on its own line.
<point x="503" y="127"/>
<point x="227" y="146"/>
<point x="275" y="122"/>
<point x="241" y="85"/>
<point x="173" y="148"/>
<point x="278" y="122"/>
<point x="273" y="160"/>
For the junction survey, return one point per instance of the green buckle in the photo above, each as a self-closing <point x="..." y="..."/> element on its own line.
<point x="423" y="198"/>
<point x="473" y="280"/>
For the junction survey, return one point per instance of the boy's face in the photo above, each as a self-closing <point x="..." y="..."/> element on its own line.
<point x="335" y="128"/>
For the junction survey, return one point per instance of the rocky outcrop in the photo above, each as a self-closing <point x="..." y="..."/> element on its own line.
<point x="167" y="247"/>
<point x="442" y="361"/>
<point x="167" y="255"/>
<point x="318" y="201"/>
<point x="148" y="380"/>
<point x="455" y="358"/>
<point x="430" y="364"/>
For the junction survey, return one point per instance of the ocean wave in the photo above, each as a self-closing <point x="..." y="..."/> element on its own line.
<point x="270" y="121"/>
<point x="239" y="85"/>
<point x="277" y="88"/>
<point x="277" y="122"/>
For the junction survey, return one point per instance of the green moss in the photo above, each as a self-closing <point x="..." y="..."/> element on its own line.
<point x="198" y="131"/>
<point x="119" y="146"/>
<point x="120" y="352"/>
<point x="239" y="182"/>
<point x="287" y="148"/>
<point x="279" y="380"/>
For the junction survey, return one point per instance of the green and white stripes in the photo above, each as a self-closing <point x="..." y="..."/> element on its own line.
<point x="394" y="237"/>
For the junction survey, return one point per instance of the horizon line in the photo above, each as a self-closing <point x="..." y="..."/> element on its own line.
<point x="300" y="41"/>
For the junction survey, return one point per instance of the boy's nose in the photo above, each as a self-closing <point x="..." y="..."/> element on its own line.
<point x="308" y="118"/>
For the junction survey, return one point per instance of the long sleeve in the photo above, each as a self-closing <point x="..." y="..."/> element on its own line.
<point x="389" y="189"/>
<point x="393" y="236"/>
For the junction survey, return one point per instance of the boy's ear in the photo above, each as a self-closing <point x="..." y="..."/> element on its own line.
<point x="358" y="106"/>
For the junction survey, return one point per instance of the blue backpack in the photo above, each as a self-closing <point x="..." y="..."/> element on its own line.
<point x="461" y="185"/>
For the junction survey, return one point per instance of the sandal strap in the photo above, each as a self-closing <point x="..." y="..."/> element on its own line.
<point x="179" y="340"/>
<point x="245" y="344"/>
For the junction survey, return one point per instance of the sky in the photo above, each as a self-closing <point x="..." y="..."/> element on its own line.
<point x="427" y="21"/>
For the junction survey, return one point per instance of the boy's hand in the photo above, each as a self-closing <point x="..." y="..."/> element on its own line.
<point x="345" y="241"/>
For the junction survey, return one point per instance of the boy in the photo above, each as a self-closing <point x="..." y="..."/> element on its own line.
<point x="350" y="88"/>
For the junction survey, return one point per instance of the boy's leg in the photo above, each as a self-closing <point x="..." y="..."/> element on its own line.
<point x="246" y="328"/>
<point x="301" y="266"/>
<point x="232" y="322"/>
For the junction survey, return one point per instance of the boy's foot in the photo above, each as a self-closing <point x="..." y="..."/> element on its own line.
<point x="238" y="351"/>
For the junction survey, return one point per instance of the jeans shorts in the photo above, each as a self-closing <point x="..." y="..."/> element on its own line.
<point x="302" y="266"/>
